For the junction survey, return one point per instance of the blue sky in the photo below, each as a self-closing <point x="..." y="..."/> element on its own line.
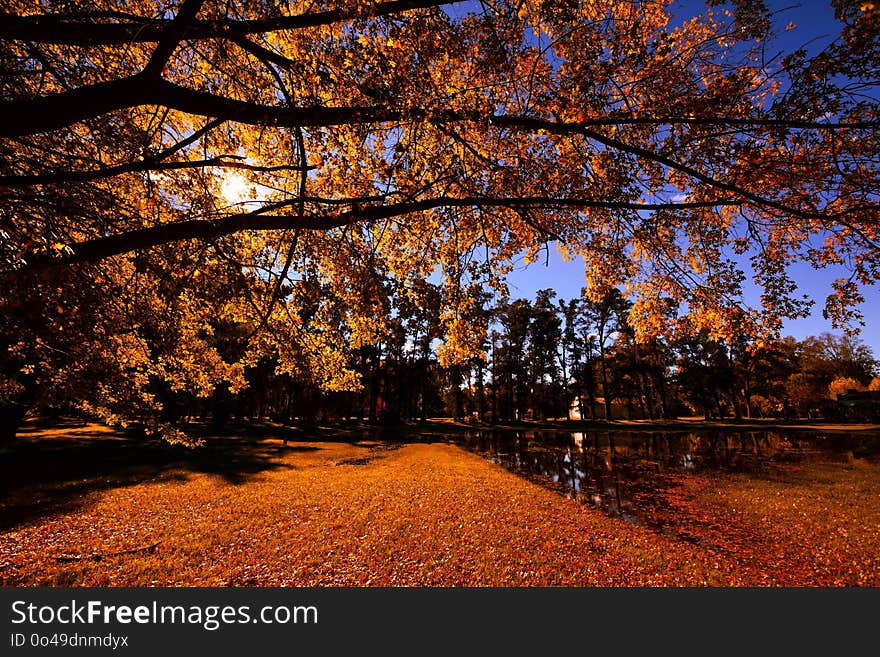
<point x="816" y="27"/>
<point x="567" y="278"/>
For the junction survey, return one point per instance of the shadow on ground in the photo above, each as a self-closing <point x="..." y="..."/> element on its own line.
<point x="57" y="467"/>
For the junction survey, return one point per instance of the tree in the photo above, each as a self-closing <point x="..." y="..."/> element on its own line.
<point x="420" y="306"/>
<point x="607" y="315"/>
<point x="843" y="385"/>
<point x="828" y="355"/>
<point x="545" y="335"/>
<point x="705" y="375"/>
<point x="760" y="373"/>
<point x="392" y="140"/>
<point x="570" y="350"/>
<point x="510" y="364"/>
<point x="822" y="359"/>
<point x="584" y="372"/>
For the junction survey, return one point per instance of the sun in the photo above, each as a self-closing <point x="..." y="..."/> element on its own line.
<point x="235" y="188"/>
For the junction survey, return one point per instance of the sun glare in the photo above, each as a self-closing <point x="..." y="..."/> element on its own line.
<point x="235" y="188"/>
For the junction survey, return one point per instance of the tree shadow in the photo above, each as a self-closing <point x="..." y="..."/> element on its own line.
<point x="58" y="467"/>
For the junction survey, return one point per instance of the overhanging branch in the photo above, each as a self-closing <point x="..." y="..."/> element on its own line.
<point x="220" y="162"/>
<point x="81" y="31"/>
<point x="144" y="238"/>
<point x="38" y="115"/>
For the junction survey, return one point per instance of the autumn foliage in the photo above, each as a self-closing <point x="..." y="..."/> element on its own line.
<point x="376" y="145"/>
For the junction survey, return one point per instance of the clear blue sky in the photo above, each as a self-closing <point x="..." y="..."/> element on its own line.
<point x="567" y="278"/>
<point x="816" y="27"/>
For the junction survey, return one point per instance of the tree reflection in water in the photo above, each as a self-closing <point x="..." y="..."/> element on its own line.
<point x="624" y="473"/>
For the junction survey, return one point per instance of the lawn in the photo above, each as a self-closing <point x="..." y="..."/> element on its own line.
<point x="84" y="506"/>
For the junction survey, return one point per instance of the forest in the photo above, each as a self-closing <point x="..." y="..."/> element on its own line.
<point x="552" y="358"/>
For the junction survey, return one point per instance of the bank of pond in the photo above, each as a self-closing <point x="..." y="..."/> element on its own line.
<point x="626" y="474"/>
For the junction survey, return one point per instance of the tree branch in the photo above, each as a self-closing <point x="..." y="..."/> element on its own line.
<point x="220" y="162"/>
<point x="37" y="115"/>
<point x="73" y="29"/>
<point x="172" y="36"/>
<point x="52" y="112"/>
<point x="558" y="127"/>
<point x="144" y="238"/>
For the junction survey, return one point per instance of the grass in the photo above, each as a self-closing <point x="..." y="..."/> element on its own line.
<point x="84" y="506"/>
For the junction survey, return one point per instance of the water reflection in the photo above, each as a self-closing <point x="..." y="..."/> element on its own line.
<point x="622" y="472"/>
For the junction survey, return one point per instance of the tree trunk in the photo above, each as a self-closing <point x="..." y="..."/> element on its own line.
<point x="564" y="371"/>
<point x="591" y="388"/>
<point x="663" y="394"/>
<point x="373" y="412"/>
<point x="459" y="406"/>
<point x="647" y="393"/>
<point x="747" y="394"/>
<point x="737" y="410"/>
<point x="605" y="394"/>
<point x="11" y="416"/>
<point x="481" y="392"/>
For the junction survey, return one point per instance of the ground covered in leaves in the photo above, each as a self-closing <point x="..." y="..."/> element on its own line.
<point x="82" y="506"/>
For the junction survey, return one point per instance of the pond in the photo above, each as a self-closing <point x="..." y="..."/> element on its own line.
<point x="624" y="473"/>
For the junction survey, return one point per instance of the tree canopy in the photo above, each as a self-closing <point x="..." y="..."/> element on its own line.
<point x="192" y="188"/>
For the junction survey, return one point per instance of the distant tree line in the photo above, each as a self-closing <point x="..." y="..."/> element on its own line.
<point x="552" y="358"/>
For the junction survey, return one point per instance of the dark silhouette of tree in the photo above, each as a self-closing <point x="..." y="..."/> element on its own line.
<point x="607" y="316"/>
<point x="544" y="338"/>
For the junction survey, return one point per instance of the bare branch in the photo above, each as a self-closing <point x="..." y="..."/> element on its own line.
<point x="37" y="115"/>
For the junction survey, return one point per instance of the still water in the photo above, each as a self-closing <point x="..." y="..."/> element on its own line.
<point x="623" y="472"/>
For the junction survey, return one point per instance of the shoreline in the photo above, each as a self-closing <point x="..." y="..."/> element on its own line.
<point x="434" y="429"/>
<point x="449" y="425"/>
